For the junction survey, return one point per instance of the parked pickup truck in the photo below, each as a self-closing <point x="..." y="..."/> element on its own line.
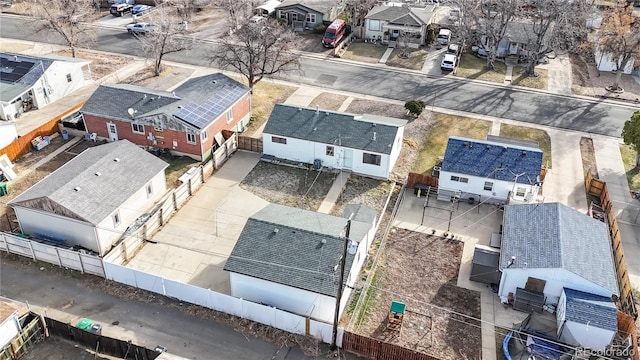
<point x="141" y="28"/>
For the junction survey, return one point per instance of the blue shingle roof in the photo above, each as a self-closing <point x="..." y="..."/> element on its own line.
<point x="591" y="309"/>
<point x="554" y="236"/>
<point x="492" y="160"/>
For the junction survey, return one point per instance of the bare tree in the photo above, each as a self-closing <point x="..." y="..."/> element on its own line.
<point x="358" y="10"/>
<point x="490" y="19"/>
<point x="619" y="36"/>
<point x="239" y="11"/>
<point x="186" y="8"/>
<point x="257" y="50"/>
<point x="166" y="37"/>
<point x="65" y="18"/>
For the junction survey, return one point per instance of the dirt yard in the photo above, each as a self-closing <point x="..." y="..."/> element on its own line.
<point x="102" y="64"/>
<point x="421" y="271"/>
<point x="311" y="42"/>
<point x="362" y="190"/>
<point x="169" y="76"/>
<point x="328" y="101"/>
<point x="54" y="348"/>
<point x="289" y="186"/>
<point x="587" y="80"/>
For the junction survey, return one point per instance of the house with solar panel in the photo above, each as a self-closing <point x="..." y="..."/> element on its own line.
<point x="30" y="82"/>
<point x="364" y="144"/>
<point x="91" y="200"/>
<point x="495" y="170"/>
<point x="290" y="258"/>
<point x="547" y="247"/>
<point x="188" y="121"/>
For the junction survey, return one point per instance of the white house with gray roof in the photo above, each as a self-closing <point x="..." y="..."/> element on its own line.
<point x="556" y="247"/>
<point x="388" y="22"/>
<point x="289" y="258"/>
<point x="91" y="200"/>
<point x="365" y="144"/>
<point x="29" y="82"/>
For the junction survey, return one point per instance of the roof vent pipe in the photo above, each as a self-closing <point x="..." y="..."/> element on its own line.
<point x="317" y="109"/>
<point x="77" y="188"/>
<point x="116" y="159"/>
<point x="98" y="173"/>
<point x="374" y="136"/>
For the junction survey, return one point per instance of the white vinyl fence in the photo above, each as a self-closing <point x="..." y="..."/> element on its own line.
<point x="91" y="264"/>
<point x="220" y="302"/>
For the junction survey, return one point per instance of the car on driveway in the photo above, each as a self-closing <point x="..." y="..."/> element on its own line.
<point x="448" y="62"/>
<point x="120" y="9"/>
<point x="453" y="49"/>
<point x="140" y="10"/>
<point x="141" y="28"/>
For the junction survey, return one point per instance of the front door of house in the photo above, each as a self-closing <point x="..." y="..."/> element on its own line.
<point x="348" y="158"/>
<point x="113" y="132"/>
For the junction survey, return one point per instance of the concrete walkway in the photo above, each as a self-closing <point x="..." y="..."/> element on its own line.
<point x="334" y="192"/>
<point x="508" y="75"/>
<point x="559" y="75"/>
<point x="385" y="56"/>
<point x="627" y="209"/>
<point x="564" y="181"/>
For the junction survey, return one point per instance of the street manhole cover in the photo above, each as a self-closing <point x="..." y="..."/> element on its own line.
<point x="326" y="79"/>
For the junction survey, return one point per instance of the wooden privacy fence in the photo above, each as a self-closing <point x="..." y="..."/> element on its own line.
<point x="375" y="349"/>
<point x="22" y="145"/>
<point x="598" y="188"/>
<point x="250" y="144"/>
<point x="428" y="180"/>
<point x="627" y="328"/>
<point x="103" y="344"/>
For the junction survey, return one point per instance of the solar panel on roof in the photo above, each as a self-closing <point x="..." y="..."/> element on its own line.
<point x="201" y="115"/>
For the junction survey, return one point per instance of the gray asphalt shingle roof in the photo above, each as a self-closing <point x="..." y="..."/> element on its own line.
<point x="591" y="309"/>
<point x="295" y="254"/>
<point x="321" y="6"/>
<point x="329" y="127"/>
<point x="554" y="236"/>
<point x="99" y="196"/>
<point x="492" y="160"/>
<point x="402" y="15"/>
<point x="209" y="96"/>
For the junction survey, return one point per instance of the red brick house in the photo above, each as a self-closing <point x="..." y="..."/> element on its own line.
<point x="187" y="121"/>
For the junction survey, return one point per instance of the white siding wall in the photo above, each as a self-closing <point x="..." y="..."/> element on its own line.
<point x="129" y="211"/>
<point x="306" y="152"/>
<point x="606" y="62"/>
<point x="55" y="79"/>
<point x="8" y="132"/>
<point x="592" y="337"/>
<point x="556" y="279"/>
<point x="8" y="329"/>
<point x="370" y="33"/>
<point x="475" y="186"/>
<point x="75" y="232"/>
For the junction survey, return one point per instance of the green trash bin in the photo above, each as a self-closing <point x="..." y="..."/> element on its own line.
<point x="3" y="189"/>
<point x="84" y="324"/>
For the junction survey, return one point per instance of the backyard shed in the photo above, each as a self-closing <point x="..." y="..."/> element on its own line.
<point x="485" y="265"/>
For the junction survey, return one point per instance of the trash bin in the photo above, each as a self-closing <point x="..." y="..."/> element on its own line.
<point x="65" y="135"/>
<point x="84" y="324"/>
<point x="3" y="189"/>
<point x="96" y="329"/>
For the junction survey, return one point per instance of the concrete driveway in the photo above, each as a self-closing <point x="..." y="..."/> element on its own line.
<point x="194" y="245"/>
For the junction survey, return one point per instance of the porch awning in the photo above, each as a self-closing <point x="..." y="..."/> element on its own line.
<point x="401" y="27"/>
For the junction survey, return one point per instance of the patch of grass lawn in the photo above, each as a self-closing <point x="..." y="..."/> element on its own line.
<point x="370" y="53"/>
<point x="633" y="172"/>
<point x="415" y="61"/>
<point x="473" y="67"/>
<point x="177" y="167"/>
<point x="530" y="134"/>
<point x="266" y="95"/>
<point x="443" y="126"/>
<point x="520" y="78"/>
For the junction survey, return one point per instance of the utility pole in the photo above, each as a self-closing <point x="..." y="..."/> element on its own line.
<point x="336" y="315"/>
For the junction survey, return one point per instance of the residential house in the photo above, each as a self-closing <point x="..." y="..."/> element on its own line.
<point x="606" y="62"/>
<point x="365" y="144"/>
<point x="29" y="82"/>
<point x="305" y="14"/>
<point x="188" y="121"/>
<point x="8" y="133"/>
<point x="289" y="258"/>
<point x="495" y="170"/>
<point x="586" y="320"/>
<point x="91" y="200"/>
<point x="547" y="247"/>
<point x="519" y="39"/>
<point x="397" y="21"/>
<point x="267" y="9"/>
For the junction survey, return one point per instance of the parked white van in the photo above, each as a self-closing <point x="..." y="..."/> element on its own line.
<point x="444" y="36"/>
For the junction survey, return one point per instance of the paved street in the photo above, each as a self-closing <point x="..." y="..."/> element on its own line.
<point x="587" y="115"/>
<point x="66" y="298"/>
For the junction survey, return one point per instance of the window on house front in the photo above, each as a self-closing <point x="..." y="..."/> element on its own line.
<point x="230" y="115"/>
<point x="488" y="185"/>
<point x="138" y="128"/>
<point x="464" y="180"/>
<point x="69" y="78"/>
<point x="520" y="191"/>
<point x="279" y="140"/>
<point x="455" y="178"/>
<point x="191" y="138"/>
<point x="149" y="190"/>
<point x="283" y="15"/>
<point x="203" y="135"/>
<point x="116" y="219"/>
<point x="311" y="18"/>
<point x="329" y="151"/>
<point x="374" y="25"/>
<point x="372" y="159"/>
